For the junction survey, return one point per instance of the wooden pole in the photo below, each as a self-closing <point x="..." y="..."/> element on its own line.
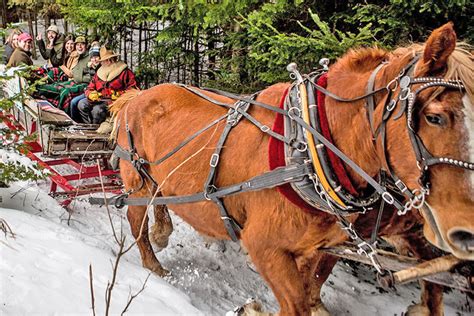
<point x="441" y="264"/>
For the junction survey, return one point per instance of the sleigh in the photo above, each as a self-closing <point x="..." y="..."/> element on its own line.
<point x="58" y="141"/>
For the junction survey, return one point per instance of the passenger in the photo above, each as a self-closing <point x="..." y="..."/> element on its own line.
<point x="52" y="51"/>
<point x="80" y="71"/>
<point x="10" y="44"/>
<point x="22" y="54"/>
<point x="111" y="80"/>
<point x="94" y="62"/>
<point x="92" y="67"/>
<point x="68" y="52"/>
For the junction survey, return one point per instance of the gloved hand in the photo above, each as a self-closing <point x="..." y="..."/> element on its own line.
<point x="94" y="96"/>
<point x="115" y="95"/>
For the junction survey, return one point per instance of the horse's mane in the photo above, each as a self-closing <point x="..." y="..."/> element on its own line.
<point x="115" y="107"/>
<point x="460" y="62"/>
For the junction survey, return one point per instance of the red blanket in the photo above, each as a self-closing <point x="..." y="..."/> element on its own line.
<point x="277" y="156"/>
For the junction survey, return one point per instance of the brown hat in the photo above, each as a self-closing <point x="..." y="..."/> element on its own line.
<point x="106" y="53"/>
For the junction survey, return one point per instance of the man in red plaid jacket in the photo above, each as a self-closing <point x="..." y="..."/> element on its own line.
<point x="110" y="81"/>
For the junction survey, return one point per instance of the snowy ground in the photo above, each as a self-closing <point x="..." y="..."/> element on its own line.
<point x="45" y="269"/>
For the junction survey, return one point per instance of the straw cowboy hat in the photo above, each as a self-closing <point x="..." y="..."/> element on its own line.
<point x="106" y="53"/>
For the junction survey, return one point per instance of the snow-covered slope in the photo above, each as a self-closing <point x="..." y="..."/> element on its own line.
<point x="44" y="270"/>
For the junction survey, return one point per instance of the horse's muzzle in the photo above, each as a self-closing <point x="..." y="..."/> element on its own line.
<point x="462" y="239"/>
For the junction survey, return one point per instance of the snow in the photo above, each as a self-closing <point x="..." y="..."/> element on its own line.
<point x="44" y="270"/>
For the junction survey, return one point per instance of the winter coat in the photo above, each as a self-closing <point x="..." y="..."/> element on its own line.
<point x="18" y="57"/>
<point x="109" y="79"/>
<point x="7" y="53"/>
<point x="53" y="55"/>
<point x="80" y="71"/>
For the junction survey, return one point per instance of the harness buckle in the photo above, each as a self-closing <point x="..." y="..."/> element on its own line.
<point x="391" y="105"/>
<point x="209" y="190"/>
<point x="401" y="186"/>
<point x="388" y="197"/>
<point x="214" y="160"/>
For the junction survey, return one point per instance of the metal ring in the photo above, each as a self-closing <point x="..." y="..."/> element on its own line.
<point x="302" y="147"/>
<point x="394" y="81"/>
<point x="294" y="109"/>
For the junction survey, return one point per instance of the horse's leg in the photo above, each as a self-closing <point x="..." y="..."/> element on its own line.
<point x="278" y="267"/>
<point x="414" y="244"/>
<point x="138" y="219"/>
<point x="162" y="228"/>
<point x="315" y="270"/>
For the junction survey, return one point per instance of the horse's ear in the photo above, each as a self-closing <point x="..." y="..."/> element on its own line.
<point x="438" y="47"/>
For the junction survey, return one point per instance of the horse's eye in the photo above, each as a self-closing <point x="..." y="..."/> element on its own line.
<point x="435" y="119"/>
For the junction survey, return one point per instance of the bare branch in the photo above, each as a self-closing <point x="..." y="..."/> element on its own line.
<point x="91" y="281"/>
<point x="110" y="286"/>
<point x="132" y="297"/>
<point x="106" y="204"/>
<point x="6" y="228"/>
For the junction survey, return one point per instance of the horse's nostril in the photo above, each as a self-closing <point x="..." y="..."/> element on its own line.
<point x="462" y="239"/>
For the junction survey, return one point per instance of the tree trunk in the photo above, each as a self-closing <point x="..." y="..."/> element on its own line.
<point x="131" y="49"/>
<point x="211" y="55"/>
<point x="4" y="14"/>
<point x="30" y="29"/>
<point x="140" y="44"/>
<point x="124" y="38"/>
<point x="196" y="66"/>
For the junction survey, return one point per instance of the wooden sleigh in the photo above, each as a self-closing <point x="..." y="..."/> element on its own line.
<point x="58" y="140"/>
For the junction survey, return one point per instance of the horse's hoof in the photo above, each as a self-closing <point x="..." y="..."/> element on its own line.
<point x="162" y="272"/>
<point x="417" y="310"/>
<point x="319" y="310"/>
<point x="159" y="237"/>
<point x="250" y="308"/>
<point x="157" y="269"/>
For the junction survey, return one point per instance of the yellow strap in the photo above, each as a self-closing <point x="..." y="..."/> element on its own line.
<point x="312" y="149"/>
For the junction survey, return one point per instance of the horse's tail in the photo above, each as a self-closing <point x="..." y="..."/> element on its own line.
<point x="118" y="105"/>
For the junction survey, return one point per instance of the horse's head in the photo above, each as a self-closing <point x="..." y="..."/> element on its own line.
<point x="433" y="149"/>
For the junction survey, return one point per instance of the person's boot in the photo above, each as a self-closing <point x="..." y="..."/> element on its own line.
<point x="106" y="126"/>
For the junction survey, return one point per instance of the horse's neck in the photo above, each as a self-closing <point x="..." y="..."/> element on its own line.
<point x="348" y="122"/>
<point x="351" y="134"/>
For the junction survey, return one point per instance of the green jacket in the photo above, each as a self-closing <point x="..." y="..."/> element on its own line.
<point x="53" y="55"/>
<point x="19" y="57"/>
<point x="80" y="72"/>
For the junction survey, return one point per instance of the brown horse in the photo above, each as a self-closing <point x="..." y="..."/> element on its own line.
<point x="282" y="240"/>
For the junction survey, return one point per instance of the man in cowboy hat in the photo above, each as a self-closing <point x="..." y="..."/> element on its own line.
<point x="52" y="51"/>
<point x="111" y="80"/>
